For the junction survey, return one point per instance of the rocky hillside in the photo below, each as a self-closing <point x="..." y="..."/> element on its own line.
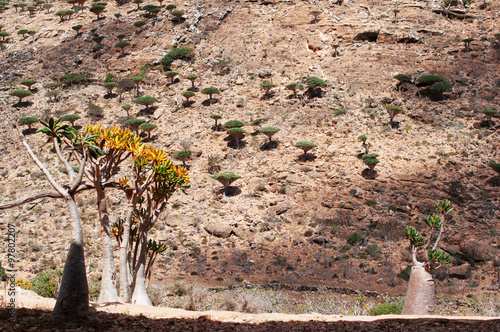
<point x="288" y="218"/>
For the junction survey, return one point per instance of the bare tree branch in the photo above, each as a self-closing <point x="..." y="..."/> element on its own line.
<point x="37" y="161"/>
<point x="31" y="198"/>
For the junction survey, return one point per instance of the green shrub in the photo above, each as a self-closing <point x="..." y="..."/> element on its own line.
<point x="3" y="275"/>
<point x="355" y="238"/>
<point x="373" y="250"/>
<point x="28" y="120"/>
<point x="182" y="53"/>
<point x="387" y="309"/>
<point x="267" y="86"/>
<point x="403" y="78"/>
<point x="308" y="233"/>
<point x="340" y="111"/>
<point x="495" y="166"/>
<point x="258" y="122"/>
<point x="74" y="79"/>
<point x="429" y="79"/>
<point x="314" y="82"/>
<point x="47" y="283"/>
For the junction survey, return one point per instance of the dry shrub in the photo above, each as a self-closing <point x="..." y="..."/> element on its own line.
<point x="196" y="299"/>
<point x="243" y="302"/>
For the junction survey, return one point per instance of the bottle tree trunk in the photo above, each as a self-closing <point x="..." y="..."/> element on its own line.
<point x="420" y="294"/>
<point x="140" y="295"/>
<point x="73" y="298"/>
<point x="108" y="277"/>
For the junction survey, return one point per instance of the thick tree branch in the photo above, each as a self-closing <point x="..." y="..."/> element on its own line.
<point x="37" y="161"/>
<point x="30" y="198"/>
<point x="63" y="160"/>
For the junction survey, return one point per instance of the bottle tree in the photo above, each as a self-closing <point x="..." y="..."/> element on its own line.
<point x="393" y="110"/>
<point x="305" y="146"/>
<point x="192" y="78"/>
<point x="226" y="179"/>
<point x="421" y="288"/>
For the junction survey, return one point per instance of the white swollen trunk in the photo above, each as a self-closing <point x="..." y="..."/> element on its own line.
<point x="73" y="298"/>
<point x="420" y="293"/>
<point x="108" y="278"/>
<point x="140" y="295"/>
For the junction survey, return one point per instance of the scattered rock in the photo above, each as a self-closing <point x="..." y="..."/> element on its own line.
<point x="221" y="230"/>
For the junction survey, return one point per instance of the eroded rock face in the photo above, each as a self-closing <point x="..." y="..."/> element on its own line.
<point x="476" y="251"/>
<point x="459" y="272"/>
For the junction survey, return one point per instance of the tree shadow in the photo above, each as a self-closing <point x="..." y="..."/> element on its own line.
<point x="176" y="20"/>
<point x="195" y="89"/>
<point x="23" y="104"/>
<point x="147" y="111"/>
<point x="34" y="90"/>
<point x="269" y="145"/>
<point x="367" y="174"/>
<point x="494" y="181"/>
<point x="207" y="102"/>
<point x="395" y="125"/>
<point x="110" y="96"/>
<point x="29" y="131"/>
<point x="305" y="158"/>
<point x="188" y="103"/>
<point x="122" y="55"/>
<point x="231" y="191"/>
<point x="175" y="81"/>
<point x="268" y="96"/>
<point x="231" y="143"/>
<point x="484" y="124"/>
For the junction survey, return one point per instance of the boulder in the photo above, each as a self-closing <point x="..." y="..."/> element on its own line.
<point x="221" y="230"/>
<point x="459" y="272"/>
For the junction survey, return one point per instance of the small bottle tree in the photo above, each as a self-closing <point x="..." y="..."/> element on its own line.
<point x="127" y="108"/>
<point x="187" y="94"/>
<point x="77" y="28"/>
<point x="182" y="155"/>
<point x="71" y="118"/>
<point x="421" y="289"/>
<point x="97" y="10"/>
<point x="292" y="87"/>
<point x="216" y="117"/>
<point x="29" y="83"/>
<point x="371" y="161"/>
<point x="148" y="128"/>
<point x="396" y="12"/>
<point x="140" y="24"/>
<point x="226" y="179"/>
<point x="366" y="145"/>
<point x="171" y="75"/>
<point x="236" y="134"/>
<point x="392" y="110"/>
<point x="467" y="42"/>
<point x="192" y="78"/>
<point x="110" y="86"/>
<point x="146" y="101"/>
<point x="210" y="91"/>
<point x="20" y="93"/>
<point x="335" y="52"/>
<point x="314" y="85"/>
<point x="489" y="113"/>
<point x="177" y="14"/>
<point x="135" y="124"/>
<point x="138" y="3"/>
<point x="28" y="120"/>
<point x="170" y="7"/>
<point x="305" y="146"/>
<point x="122" y="44"/>
<point x="267" y="86"/>
<point x="269" y="132"/>
<point x="316" y="13"/>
